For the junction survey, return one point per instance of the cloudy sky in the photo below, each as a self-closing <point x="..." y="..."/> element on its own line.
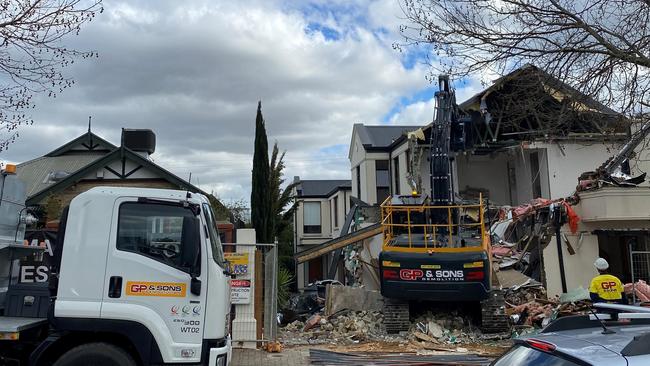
<point x="193" y="72"/>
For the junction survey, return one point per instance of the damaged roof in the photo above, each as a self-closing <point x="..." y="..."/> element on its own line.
<point x="321" y="188"/>
<point x="555" y="87"/>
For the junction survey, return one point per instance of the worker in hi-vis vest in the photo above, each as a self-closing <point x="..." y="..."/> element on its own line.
<point x="605" y="287"/>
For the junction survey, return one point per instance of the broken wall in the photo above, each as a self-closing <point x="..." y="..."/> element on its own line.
<point x="579" y="268"/>
<point x="566" y="161"/>
<point x="487" y="173"/>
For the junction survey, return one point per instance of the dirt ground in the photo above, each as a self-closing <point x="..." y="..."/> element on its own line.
<point x="485" y="349"/>
<point x="299" y="355"/>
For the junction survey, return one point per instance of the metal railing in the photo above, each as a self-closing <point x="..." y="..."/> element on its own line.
<point x="408" y="228"/>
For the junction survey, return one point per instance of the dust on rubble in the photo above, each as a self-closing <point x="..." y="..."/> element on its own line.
<point x="363" y="332"/>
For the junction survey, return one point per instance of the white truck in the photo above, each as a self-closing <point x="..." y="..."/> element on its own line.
<point x="138" y="278"/>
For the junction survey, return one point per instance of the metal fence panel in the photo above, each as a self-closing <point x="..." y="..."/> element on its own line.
<point x="265" y="306"/>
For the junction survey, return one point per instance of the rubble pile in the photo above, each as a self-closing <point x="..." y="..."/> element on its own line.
<point x="445" y="328"/>
<point x="640" y="289"/>
<point x="529" y="307"/>
<point x="343" y="328"/>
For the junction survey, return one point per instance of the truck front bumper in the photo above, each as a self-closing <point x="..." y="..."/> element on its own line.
<point x="221" y="356"/>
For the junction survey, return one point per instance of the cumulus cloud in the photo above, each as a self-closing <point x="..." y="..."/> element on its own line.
<point x="194" y="71"/>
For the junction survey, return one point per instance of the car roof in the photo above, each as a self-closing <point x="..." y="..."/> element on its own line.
<point x="590" y="345"/>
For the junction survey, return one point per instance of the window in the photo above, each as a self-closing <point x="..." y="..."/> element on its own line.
<point x="359" y="181"/>
<point x="215" y="237"/>
<point x="153" y="230"/>
<point x="311" y="218"/>
<point x="396" y="189"/>
<point x="335" y="202"/>
<point x="408" y="161"/>
<point x="535" y="175"/>
<point x="382" y="179"/>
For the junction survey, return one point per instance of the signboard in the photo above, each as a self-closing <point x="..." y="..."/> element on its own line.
<point x="240" y="291"/>
<point x="238" y="262"/>
<point x="32" y="271"/>
<point x="37" y="268"/>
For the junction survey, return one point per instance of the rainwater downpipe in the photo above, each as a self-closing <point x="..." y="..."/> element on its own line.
<point x="557" y="218"/>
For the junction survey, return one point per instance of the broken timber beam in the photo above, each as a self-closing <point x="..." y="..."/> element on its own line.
<point x="340" y="242"/>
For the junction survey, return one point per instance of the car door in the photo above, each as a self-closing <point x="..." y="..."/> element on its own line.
<point x="147" y="280"/>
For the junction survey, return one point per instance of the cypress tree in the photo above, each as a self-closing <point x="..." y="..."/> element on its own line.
<point x="260" y="191"/>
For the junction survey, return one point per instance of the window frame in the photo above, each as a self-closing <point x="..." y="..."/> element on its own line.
<point x="210" y="218"/>
<point x="335" y="208"/>
<point x="320" y="219"/>
<point x="154" y="258"/>
<point x="396" y="187"/>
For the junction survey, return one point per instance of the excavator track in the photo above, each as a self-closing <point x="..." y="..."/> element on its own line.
<point x="493" y="313"/>
<point x="396" y="315"/>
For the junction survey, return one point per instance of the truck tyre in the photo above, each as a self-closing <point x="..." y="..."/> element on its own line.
<point x="96" y="354"/>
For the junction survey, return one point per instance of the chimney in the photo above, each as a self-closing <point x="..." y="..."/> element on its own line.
<point x="141" y="141"/>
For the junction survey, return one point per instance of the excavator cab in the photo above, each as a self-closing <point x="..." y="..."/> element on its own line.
<point x="434" y="253"/>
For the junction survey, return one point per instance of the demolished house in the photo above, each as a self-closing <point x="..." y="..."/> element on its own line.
<point x="527" y="140"/>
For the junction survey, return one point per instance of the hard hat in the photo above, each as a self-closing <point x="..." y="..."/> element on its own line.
<point x="601" y="264"/>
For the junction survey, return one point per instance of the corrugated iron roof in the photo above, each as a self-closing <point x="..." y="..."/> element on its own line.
<point x="35" y="172"/>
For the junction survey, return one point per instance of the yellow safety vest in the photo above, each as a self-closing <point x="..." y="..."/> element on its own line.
<point x="607" y="287"/>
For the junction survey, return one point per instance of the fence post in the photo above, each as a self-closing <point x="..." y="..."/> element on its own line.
<point x="244" y="326"/>
<point x="271" y="292"/>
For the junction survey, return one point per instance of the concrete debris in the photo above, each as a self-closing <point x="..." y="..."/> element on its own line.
<point x="340" y="298"/>
<point x="449" y="328"/>
<point x="346" y="327"/>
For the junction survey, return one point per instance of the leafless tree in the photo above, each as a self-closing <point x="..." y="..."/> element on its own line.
<point x="600" y="47"/>
<point x="32" y="54"/>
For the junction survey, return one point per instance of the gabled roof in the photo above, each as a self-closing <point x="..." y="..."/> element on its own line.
<point x="555" y="86"/>
<point x="380" y="137"/>
<point x="116" y="154"/>
<point x="321" y="188"/>
<point x="86" y="142"/>
<point x="35" y="173"/>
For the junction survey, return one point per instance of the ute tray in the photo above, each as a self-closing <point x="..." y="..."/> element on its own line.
<point x="14" y="324"/>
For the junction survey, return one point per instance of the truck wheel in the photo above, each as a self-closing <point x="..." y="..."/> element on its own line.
<point x="96" y="354"/>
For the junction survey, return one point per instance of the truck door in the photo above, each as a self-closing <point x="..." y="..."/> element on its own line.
<point x="148" y="279"/>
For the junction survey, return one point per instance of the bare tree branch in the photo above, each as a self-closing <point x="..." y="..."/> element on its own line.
<point x="32" y="56"/>
<point x="599" y="47"/>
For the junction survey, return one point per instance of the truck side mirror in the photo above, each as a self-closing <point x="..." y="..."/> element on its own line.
<point x="191" y="251"/>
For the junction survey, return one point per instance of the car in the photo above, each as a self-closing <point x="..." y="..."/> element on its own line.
<point x="613" y="335"/>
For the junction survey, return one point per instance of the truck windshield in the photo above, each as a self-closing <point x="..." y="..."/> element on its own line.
<point x="215" y="242"/>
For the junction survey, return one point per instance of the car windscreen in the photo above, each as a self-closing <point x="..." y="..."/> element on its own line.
<point x="524" y="356"/>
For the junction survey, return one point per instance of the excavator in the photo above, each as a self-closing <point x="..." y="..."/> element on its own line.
<point x="435" y="246"/>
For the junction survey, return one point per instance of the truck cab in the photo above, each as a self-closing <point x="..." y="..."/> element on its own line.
<point x="138" y="278"/>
